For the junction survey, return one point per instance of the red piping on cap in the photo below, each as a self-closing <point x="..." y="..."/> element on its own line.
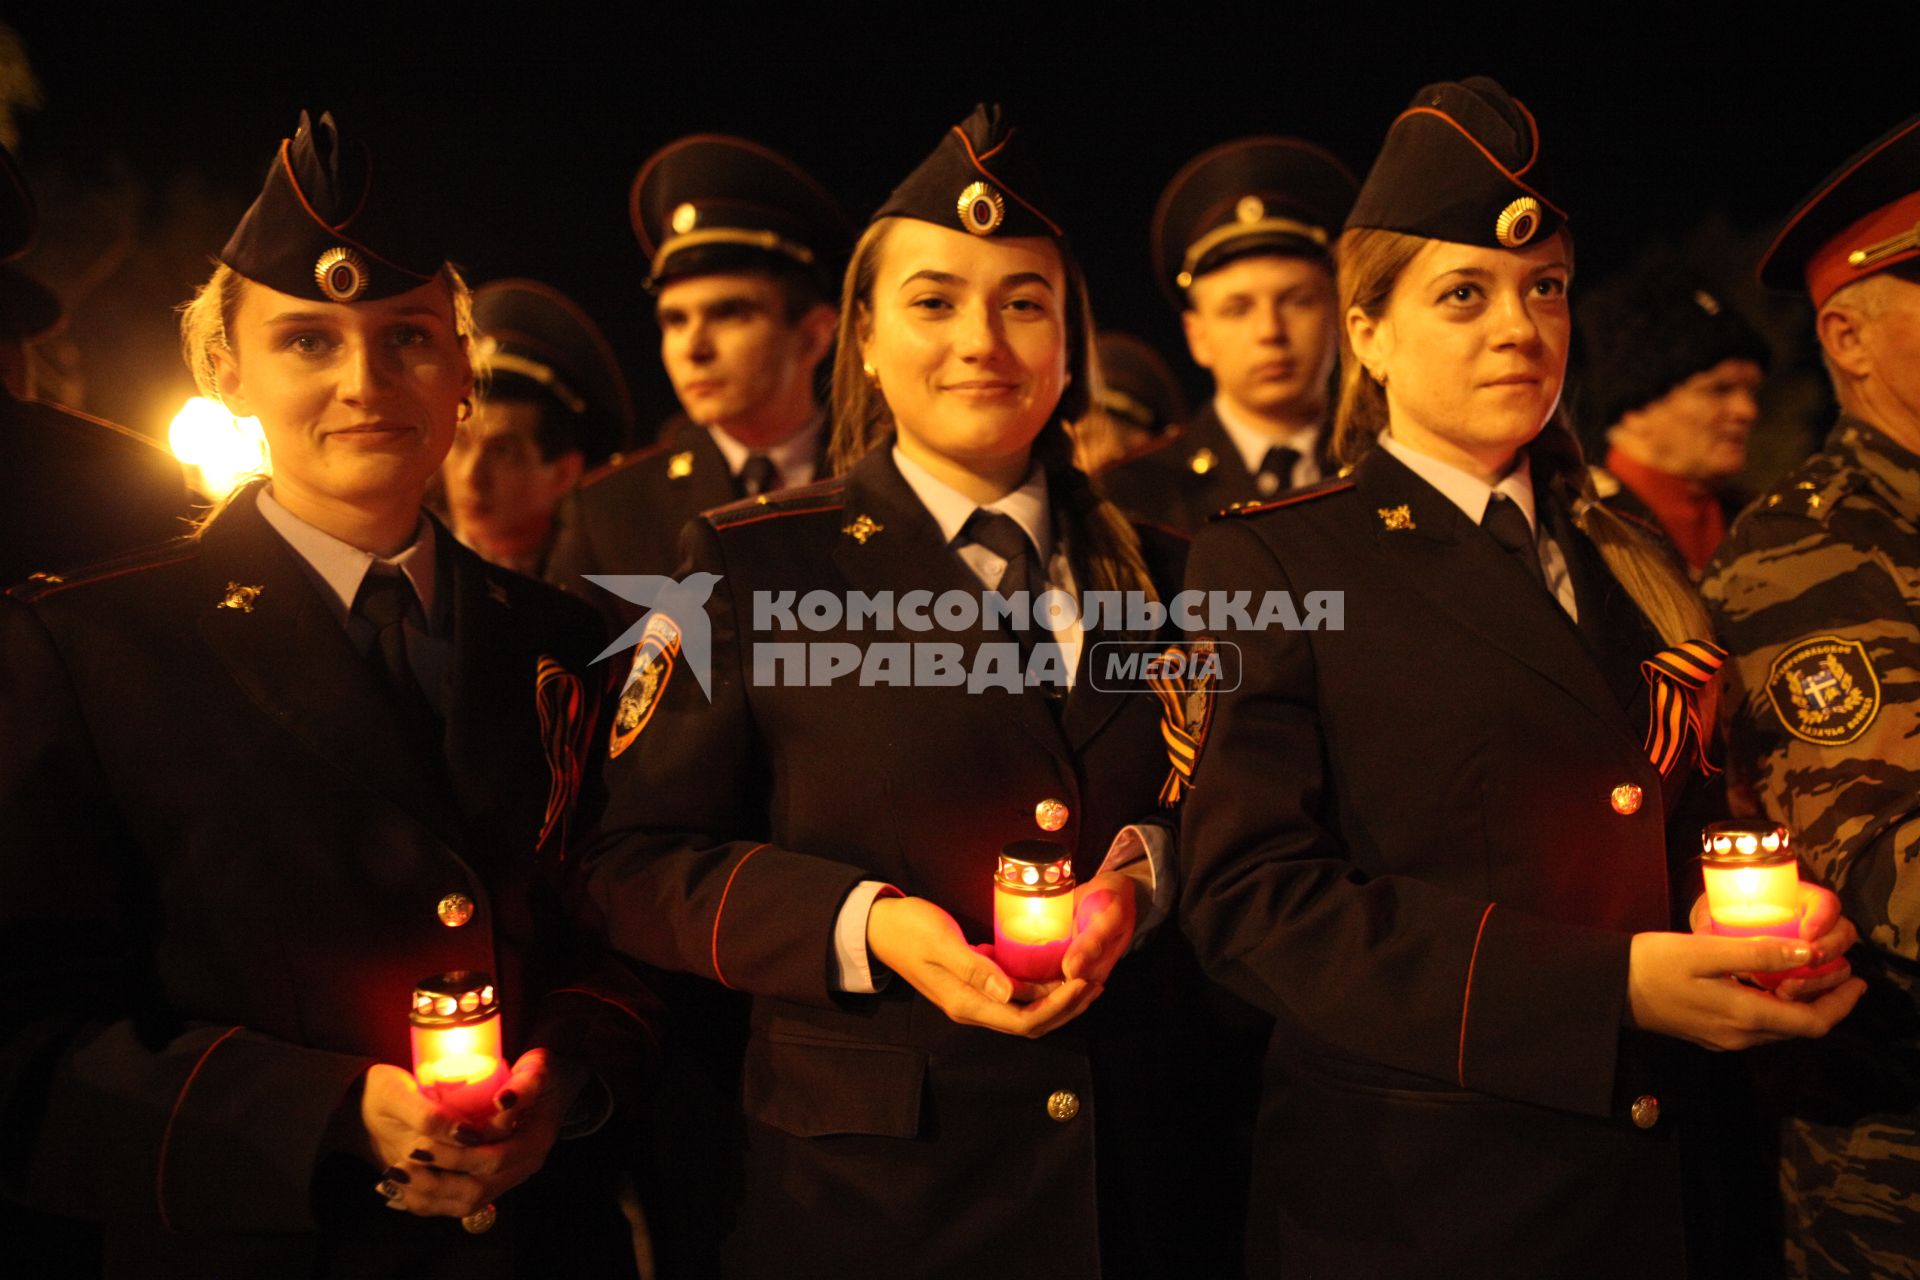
<point x="1509" y="174"/>
<point x="1828" y="270"/>
<point x="988" y="173"/>
<point x="1810" y="205"/>
<point x="334" y="231"/>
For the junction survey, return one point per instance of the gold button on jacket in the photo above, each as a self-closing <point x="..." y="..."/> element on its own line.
<point x="454" y="910"/>
<point x="1645" y="1111"/>
<point x="1063" y="1105"/>
<point x="1626" y="798"/>
<point x="1050" y="815"/>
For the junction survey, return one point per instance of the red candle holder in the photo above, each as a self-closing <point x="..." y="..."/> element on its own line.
<point x="1752" y="880"/>
<point x="457" y="1059"/>
<point x="1032" y="910"/>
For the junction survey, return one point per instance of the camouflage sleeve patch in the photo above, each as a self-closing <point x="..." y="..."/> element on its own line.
<point x="1825" y="690"/>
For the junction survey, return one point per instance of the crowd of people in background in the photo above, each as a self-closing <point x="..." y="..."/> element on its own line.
<point x="1388" y="955"/>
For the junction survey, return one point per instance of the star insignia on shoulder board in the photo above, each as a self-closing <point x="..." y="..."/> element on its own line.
<point x="680" y="465"/>
<point x="1202" y="461"/>
<point x="863" y="528"/>
<point x="1397" y="518"/>
<point x="240" y="597"/>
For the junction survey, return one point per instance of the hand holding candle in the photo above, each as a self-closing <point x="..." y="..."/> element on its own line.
<point x="1753" y="889"/>
<point x="457" y="1059"/>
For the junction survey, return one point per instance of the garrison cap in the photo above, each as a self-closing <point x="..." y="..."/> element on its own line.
<point x="978" y="180"/>
<point x="1138" y="387"/>
<point x="19" y="219"/>
<point x="536" y="344"/>
<point x="1864" y="218"/>
<point x="1649" y="331"/>
<point x="322" y="229"/>
<point x="1461" y="163"/>
<point x="712" y="203"/>
<point x="1253" y="196"/>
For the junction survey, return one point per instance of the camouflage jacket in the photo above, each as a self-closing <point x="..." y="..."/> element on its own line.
<point x="1816" y="593"/>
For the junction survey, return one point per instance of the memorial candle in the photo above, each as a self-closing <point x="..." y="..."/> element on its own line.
<point x="1032" y="910"/>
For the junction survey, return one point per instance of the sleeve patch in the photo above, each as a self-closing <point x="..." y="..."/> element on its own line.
<point x="1825" y="690"/>
<point x="653" y="663"/>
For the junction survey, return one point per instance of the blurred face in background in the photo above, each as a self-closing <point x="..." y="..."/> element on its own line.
<point x="737" y="359"/>
<point x="1264" y="326"/>
<point x="501" y="492"/>
<point x="1698" y="430"/>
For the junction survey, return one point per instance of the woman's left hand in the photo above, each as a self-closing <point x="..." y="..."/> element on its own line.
<point x="1105" y="911"/>
<point x="490" y="1156"/>
<point x="1830" y="934"/>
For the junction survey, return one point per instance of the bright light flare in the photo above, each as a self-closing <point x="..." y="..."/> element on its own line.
<point x="217" y="449"/>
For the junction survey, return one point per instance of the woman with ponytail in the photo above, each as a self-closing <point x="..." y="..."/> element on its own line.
<point x="1438" y="840"/>
<point x="827" y="839"/>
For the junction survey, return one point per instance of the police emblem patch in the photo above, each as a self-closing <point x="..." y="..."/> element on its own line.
<point x="653" y="661"/>
<point x="1825" y="690"/>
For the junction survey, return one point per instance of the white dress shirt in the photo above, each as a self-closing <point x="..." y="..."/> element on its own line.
<point x="1251" y="441"/>
<point x="793" y="457"/>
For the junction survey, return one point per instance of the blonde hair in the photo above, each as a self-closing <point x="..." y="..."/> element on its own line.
<point x="1370" y="262"/>
<point x="206" y="321"/>
<point x="1103" y="546"/>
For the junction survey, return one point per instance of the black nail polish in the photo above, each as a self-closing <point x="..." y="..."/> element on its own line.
<point x="468" y="1136"/>
<point x="395" y="1173"/>
<point x="389" y="1190"/>
<point x="423" y="1156"/>
<point x="508" y="1100"/>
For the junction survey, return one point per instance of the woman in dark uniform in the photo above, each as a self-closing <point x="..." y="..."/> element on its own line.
<point x="1436" y="842"/>
<point x="829" y="844"/>
<point x="258" y="782"/>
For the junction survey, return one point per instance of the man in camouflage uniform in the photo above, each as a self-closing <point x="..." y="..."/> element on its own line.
<point x="1817" y="595"/>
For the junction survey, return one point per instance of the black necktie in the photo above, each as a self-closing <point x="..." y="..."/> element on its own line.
<point x="1276" y="471"/>
<point x="1002" y="535"/>
<point x="385" y="598"/>
<point x="758" y="476"/>
<point x="1508" y="524"/>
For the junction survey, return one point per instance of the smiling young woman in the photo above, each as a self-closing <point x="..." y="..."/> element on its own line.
<point x="830" y="846"/>
<point x="267" y="778"/>
<point x="1437" y="843"/>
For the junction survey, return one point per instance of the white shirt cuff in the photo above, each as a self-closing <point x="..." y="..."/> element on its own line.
<point x="852" y="968"/>
<point x="1152" y="844"/>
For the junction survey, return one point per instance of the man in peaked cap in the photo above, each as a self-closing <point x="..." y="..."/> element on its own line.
<point x="78" y="488"/>
<point x="554" y="398"/>
<point x="1815" y="594"/>
<point x="743" y="254"/>
<point x="1671" y="375"/>
<point x="1241" y="242"/>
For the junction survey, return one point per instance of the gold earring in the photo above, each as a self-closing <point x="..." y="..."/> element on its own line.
<point x="866" y="367"/>
<point x="465" y="410"/>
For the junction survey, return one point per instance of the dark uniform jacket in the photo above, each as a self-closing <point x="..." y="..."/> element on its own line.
<point x="881" y="1137"/>
<point x="222" y="869"/>
<point x="1422" y="841"/>
<point x="79" y="489"/>
<point x="627" y="517"/>
<point x="1183" y="480"/>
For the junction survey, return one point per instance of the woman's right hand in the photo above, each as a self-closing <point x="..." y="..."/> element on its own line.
<point x="924" y="945"/>
<point x="434" y="1163"/>
<point x="1683" y="985"/>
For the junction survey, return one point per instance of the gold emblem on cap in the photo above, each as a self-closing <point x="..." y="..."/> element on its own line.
<point x="680" y="465"/>
<point x="981" y="209"/>
<point x="862" y="529"/>
<point x="685" y="218"/>
<point x="1706" y="302"/>
<point x="239" y="598"/>
<point x="1397" y="518"/>
<point x="341" y="274"/>
<point x="1202" y="461"/>
<point x="1517" y="222"/>
<point x="1250" y="209"/>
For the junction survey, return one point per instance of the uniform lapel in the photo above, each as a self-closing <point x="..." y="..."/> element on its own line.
<point x="1227" y="481"/>
<point x="494" y="761"/>
<point x="908" y="553"/>
<point x="286" y="648"/>
<point x="1446" y="559"/>
<point x="710" y="483"/>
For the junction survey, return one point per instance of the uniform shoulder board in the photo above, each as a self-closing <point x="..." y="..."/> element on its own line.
<point x="620" y="462"/>
<point x="824" y="495"/>
<point x="1313" y="492"/>
<point x="1812" y="492"/>
<point x="152" y="556"/>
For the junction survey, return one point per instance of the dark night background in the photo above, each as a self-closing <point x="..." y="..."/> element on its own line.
<point x="1701" y="129"/>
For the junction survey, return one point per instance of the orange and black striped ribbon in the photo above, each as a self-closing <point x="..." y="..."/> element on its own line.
<point x="1182" y="747"/>
<point x="560" y="701"/>
<point x="1674" y="678"/>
